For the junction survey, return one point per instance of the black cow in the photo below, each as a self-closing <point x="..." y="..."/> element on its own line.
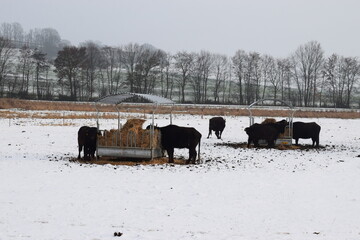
<point x="306" y="130"/>
<point x="173" y="136"/>
<point x="216" y="124"/>
<point x="87" y="138"/>
<point x="267" y="131"/>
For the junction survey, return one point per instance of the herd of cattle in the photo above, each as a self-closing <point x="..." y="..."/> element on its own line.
<point x="173" y="136"/>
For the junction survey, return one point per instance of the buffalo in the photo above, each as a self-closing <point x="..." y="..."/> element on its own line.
<point x="87" y="138"/>
<point x="216" y="124"/>
<point x="266" y="131"/>
<point x="306" y="130"/>
<point x="173" y="136"/>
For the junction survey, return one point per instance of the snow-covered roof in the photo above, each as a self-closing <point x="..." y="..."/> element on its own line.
<point x="119" y="98"/>
<point x="288" y="104"/>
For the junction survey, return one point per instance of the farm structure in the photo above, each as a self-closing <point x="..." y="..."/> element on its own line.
<point x="130" y="140"/>
<point x="284" y="138"/>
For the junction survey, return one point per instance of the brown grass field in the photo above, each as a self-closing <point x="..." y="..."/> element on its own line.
<point x="84" y="110"/>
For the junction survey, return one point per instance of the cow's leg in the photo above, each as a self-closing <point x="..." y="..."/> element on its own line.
<point x="217" y="133"/>
<point x="256" y="142"/>
<point x="296" y="141"/>
<point x="209" y="133"/>
<point x="220" y="134"/>
<point x="192" y="155"/>
<point x="315" y="141"/>
<point x="80" y="149"/>
<point x="93" y="150"/>
<point x="170" y="152"/>
<point x="249" y="141"/>
<point x="271" y="142"/>
<point x="86" y="153"/>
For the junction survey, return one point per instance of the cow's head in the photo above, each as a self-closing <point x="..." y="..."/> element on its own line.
<point x="149" y="127"/>
<point x="281" y="125"/>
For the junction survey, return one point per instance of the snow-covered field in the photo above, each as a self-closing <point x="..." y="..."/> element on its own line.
<point x="236" y="194"/>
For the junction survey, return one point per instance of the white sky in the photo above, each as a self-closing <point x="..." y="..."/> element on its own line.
<point x="275" y="27"/>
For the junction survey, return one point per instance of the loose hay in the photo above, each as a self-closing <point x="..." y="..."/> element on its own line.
<point x="287" y="147"/>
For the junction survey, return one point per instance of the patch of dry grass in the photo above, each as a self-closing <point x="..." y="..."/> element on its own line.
<point x="57" y="124"/>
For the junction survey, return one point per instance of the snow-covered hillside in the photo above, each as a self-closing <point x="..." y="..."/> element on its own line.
<point x="236" y="194"/>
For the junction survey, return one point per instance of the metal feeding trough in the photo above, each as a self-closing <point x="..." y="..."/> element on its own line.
<point x="286" y="138"/>
<point x="129" y="145"/>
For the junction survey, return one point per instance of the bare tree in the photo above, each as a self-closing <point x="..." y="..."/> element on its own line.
<point x="13" y="32"/>
<point x="307" y="62"/>
<point x="274" y="76"/>
<point x="26" y="65"/>
<point x="351" y="72"/>
<point x="112" y="66"/>
<point x="202" y="70"/>
<point x="6" y="53"/>
<point x="149" y="59"/>
<point x="252" y="77"/>
<point x="41" y="65"/>
<point x="221" y="71"/>
<point x="167" y="76"/>
<point x="196" y="79"/>
<point x="91" y="65"/>
<point x="332" y="75"/>
<point x="285" y="76"/>
<point x="129" y="59"/>
<point x="267" y="62"/>
<point x="184" y="63"/>
<point x="68" y="66"/>
<point x="239" y="62"/>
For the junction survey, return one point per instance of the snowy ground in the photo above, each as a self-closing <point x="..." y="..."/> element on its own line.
<point x="236" y="194"/>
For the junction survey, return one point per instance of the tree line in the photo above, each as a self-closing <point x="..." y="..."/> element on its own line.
<point x="30" y="69"/>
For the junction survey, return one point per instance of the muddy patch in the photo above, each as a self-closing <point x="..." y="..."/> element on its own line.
<point x="129" y="162"/>
<point x="279" y="147"/>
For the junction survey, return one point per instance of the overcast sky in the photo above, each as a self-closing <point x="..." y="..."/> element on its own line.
<point x="275" y="27"/>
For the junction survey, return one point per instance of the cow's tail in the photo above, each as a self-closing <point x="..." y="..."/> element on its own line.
<point x="199" y="159"/>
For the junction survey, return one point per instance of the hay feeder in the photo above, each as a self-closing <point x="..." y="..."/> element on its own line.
<point x="286" y="138"/>
<point x="130" y="140"/>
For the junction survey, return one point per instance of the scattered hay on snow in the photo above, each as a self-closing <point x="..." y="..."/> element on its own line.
<point x="279" y="147"/>
<point x="129" y="162"/>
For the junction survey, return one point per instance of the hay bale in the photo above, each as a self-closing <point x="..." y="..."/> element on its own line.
<point x="269" y="120"/>
<point x="146" y="137"/>
<point x="133" y="124"/>
<point x="130" y="135"/>
<point x="108" y="138"/>
<point x="286" y="133"/>
<point x="131" y="132"/>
